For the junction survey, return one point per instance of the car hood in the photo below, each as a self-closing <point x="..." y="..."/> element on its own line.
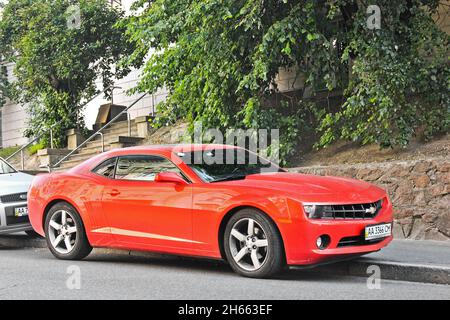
<point x="14" y="183"/>
<point x="311" y="188"/>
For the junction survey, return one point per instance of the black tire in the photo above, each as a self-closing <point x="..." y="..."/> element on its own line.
<point x="81" y="246"/>
<point x="33" y="234"/>
<point x="274" y="261"/>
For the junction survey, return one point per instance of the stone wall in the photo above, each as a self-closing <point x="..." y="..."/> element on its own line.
<point x="419" y="190"/>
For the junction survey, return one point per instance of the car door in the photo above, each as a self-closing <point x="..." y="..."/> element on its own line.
<point x="142" y="211"/>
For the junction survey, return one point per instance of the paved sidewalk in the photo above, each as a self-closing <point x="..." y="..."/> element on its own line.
<point x="429" y="253"/>
<point x="407" y="260"/>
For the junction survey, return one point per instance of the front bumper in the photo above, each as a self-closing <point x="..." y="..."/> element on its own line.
<point x="11" y="224"/>
<point x="303" y="251"/>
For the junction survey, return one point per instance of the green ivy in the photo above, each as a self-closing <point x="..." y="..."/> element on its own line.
<point x="400" y="80"/>
<point x="219" y="60"/>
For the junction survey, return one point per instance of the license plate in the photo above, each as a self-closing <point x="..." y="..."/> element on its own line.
<point x="378" y="231"/>
<point x="21" y="212"/>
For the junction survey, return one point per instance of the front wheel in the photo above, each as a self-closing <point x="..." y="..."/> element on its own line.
<point x="253" y="245"/>
<point x="65" y="234"/>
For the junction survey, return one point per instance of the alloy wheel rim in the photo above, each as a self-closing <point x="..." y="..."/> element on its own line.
<point x="62" y="231"/>
<point x="249" y="245"/>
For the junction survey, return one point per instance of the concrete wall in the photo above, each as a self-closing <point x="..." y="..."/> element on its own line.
<point x="14" y="116"/>
<point x="13" y="120"/>
<point x="146" y="106"/>
<point x="287" y="80"/>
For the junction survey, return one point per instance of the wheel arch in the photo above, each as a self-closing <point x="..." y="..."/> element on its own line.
<point x="233" y="211"/>
<point x="56" y="201"/>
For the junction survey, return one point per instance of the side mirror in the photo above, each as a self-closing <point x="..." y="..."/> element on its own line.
<point x="170" y="177"/>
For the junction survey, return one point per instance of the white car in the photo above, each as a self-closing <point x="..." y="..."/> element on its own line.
<point x="14" y="187"/>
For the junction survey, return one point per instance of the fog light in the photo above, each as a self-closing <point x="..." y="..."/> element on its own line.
<point x="323" y="241"/>
<point x="319" y="242"/>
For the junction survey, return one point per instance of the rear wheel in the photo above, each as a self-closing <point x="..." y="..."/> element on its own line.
<point x="65" y="234"/>
<point x="253" y="245"/>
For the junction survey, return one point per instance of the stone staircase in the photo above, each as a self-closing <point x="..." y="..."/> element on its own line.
<point x="116" y="136"/>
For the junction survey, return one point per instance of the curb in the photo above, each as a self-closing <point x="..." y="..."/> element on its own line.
<point x="21" y="241"/>
<point x="389" y="270"/>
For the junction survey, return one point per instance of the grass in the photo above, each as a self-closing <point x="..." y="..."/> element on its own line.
<point x="31" y="150"/>
<point x="35" y="148"/>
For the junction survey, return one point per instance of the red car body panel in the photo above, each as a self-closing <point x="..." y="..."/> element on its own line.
<point x="186" y="219"/>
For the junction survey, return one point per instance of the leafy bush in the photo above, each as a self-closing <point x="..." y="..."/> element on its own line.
<point x="219" y="60"/>
<point x="400" y="81"/>
<point x="57" y="63"/>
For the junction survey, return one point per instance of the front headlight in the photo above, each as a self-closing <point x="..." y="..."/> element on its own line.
<point x="318" y="211"/>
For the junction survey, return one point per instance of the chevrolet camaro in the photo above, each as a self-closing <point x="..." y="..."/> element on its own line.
<point x="214" y="201"/>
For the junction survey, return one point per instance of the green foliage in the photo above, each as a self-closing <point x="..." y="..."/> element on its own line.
<point x="219" y="59"/>
<point x="400" y="80"/>
<point x="56" y="65"/>
<point x="3" y="84"/>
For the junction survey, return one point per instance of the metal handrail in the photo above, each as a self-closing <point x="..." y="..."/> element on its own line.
<point x="102" y="137"/>
<point x="98" y="132"/>
<point x="51" y="129"/>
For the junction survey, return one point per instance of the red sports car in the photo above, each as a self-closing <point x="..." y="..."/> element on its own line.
<point x="211" y="201"/>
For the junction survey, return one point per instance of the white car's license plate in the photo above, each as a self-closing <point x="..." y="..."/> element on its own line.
<point x="378" y="231"/>
<point x="21" y="212"/>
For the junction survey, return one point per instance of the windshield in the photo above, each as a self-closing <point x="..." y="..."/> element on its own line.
<point x="5" y="168"/>
<point x="226" y="164"/>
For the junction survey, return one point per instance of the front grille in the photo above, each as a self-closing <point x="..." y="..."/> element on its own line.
<point x="17" y="197"/>
<point x="353" y="211"/>
<point x="357" y="241"/>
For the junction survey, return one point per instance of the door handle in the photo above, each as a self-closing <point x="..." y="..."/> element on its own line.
<point x="114" y="192"/>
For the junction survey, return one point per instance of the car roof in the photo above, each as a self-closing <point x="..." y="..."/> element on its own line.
<point x="171" y="148"/>
<point x="161" y="150"/>
<point x="150" y="149"/>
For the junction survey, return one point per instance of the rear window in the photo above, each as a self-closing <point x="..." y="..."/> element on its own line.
<point x="106" y="168"/>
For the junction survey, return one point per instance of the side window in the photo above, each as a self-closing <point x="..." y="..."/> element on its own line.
<point x="143" y="168"/>
<point x="106" y="168"/>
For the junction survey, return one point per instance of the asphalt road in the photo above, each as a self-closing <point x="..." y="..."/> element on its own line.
<point x="35" y="274"/>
